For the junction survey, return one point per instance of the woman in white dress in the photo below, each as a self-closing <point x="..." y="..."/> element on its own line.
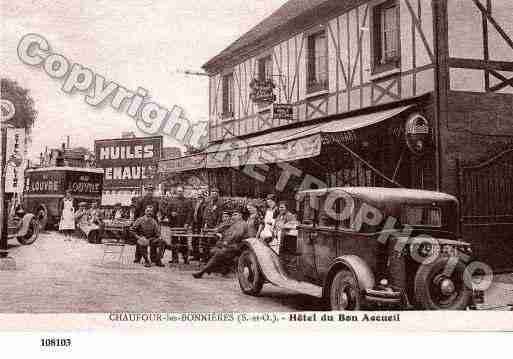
<point x="67" y="222"/>
<point x="266" y="229"/>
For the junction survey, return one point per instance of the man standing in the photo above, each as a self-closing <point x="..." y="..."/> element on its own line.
<point x="147" y="232"/>
<point x="213" y="210"/>
<point x="197" y="223"/>
<point x="180" y="212"/>
<point x="228" y="248"/>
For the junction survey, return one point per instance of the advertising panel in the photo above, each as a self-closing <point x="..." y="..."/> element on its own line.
<point x="127" y="162"/>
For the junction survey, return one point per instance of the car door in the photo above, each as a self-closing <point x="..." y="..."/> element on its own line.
<point x="306" y="269"/>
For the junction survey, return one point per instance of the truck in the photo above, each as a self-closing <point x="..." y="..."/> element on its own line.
<point x="45" y="187"/>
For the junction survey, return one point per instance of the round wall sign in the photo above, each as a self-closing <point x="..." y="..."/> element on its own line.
<point x="417" y="131"/>
<point x="7" y="110"/>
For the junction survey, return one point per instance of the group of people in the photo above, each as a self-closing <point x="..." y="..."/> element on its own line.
<point x="79" y="216"/>
<point x="207" y="214"/>
<point x="204" y="214"/>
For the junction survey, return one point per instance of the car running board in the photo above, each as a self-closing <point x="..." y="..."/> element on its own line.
<point x="274" y="272"/>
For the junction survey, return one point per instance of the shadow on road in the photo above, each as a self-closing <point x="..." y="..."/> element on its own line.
<point x="295" y="301"/>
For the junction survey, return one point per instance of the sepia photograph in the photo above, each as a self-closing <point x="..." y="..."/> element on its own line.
<point x="256" y="163"/>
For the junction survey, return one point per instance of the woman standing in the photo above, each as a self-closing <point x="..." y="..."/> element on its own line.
<point x="67" y="222"/>
<point x="266" y="229"/>
<point x="284" y="219"/>
<point x="254" y="220"/>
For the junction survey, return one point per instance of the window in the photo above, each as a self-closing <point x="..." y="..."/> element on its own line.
<point x="422" y="216"/>
<point x="228" y="95"/>
<point x="265" y="68"/>
<point x="386" y="36"/>
<point x="309" y="209"/>
<point x="317" y="74"/>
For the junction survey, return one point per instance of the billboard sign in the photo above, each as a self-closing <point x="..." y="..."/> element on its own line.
<point x="127" y="161"/>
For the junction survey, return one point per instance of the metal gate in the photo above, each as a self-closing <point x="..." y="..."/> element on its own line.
<point x="486" y="194"/>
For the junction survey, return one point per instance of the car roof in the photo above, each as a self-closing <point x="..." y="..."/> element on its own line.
<point x="381" y="194"/>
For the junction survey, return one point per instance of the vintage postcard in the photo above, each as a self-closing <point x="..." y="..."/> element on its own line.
<point x="304" y="164"/>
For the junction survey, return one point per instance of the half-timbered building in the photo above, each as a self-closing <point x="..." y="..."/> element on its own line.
<point x="408" y="93"/>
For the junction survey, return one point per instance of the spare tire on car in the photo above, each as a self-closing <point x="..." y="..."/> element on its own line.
<point x="440" y="285"/>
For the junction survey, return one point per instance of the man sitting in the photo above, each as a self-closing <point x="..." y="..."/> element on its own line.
<point x="147" y="232"/>
<point x="228" y="248"/>
<point x="209" y="243"/>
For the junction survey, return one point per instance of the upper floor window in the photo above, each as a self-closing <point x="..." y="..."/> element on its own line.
<point x="228" y="95"/>
<point x="386" y="36"/>
<point x="317" y="74"/>
<point x="265" y="68"/>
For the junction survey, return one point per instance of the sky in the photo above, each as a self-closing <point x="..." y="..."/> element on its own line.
<point x="136" y="43"/>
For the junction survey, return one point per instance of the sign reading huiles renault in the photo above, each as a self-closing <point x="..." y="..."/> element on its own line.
<point x="127" y="161"/>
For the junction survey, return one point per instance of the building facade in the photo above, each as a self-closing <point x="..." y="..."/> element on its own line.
<point x="402" y="93"/>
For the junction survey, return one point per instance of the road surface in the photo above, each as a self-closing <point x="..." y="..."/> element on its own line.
<point x="57" y="276"/>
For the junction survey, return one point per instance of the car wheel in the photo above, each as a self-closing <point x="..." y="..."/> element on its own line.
<point x="437" y="287"/>
<point x="32" y="233"/>
<point x="345" y="292"/>
<point x="249" y="275"/>
<point x="42" y="216"/>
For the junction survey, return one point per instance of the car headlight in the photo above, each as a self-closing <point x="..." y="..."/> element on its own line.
<point x="425" y="249"/>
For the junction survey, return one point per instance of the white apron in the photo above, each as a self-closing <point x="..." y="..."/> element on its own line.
<point x="68" y="216"/>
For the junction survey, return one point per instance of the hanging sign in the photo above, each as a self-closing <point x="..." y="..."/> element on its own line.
<point x="262" y="91"/>
<point x="283" y="111"/>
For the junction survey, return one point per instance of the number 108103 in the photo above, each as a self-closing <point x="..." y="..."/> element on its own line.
<point x="55" y="342"/>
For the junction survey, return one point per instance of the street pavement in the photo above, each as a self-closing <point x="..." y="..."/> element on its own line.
<point x="58" y="276"/>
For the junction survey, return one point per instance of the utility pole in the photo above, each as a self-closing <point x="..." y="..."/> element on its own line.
<point x="7" y="113"/>
<point x="6" y="262"/>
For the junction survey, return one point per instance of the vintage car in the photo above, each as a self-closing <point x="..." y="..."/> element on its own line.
<point x="360" y="248"/>
<point x="45" y="187"/>
<point x="23" y="226"/>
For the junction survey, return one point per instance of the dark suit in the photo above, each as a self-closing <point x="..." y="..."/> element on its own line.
<point x="147" y="227"/>
<point x="213" y="212"/>
<point x="179" y="213"/>
<point x="227" y="249"/>
<point x="197" y="226"/>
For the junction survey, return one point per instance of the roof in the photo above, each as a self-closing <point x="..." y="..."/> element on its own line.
<point x="382" y="194"/>
<point x="294" y="15"/>
<point x="75" y="169"/>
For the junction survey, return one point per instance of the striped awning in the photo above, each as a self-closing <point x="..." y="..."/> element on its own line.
<point x="280" y="145"/>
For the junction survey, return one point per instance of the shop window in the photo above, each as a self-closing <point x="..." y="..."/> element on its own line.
<point x="317" y="73"/>
<point x="265" y="68"/>
<point x="228" y="95"/>
<point x="386" y="37"/>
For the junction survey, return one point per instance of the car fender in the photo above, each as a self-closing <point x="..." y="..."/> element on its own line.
<point x="357" y="266"/>
<point x="27" y="218"/>
<point x="268" y="261"/>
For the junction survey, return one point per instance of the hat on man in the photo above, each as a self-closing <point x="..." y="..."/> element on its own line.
<point x="272" y="197"/>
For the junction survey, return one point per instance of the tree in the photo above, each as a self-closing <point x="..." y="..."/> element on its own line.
<point x="26" y="114"/>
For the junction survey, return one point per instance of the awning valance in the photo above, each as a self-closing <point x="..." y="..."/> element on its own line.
<point x="182" y="164"/>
